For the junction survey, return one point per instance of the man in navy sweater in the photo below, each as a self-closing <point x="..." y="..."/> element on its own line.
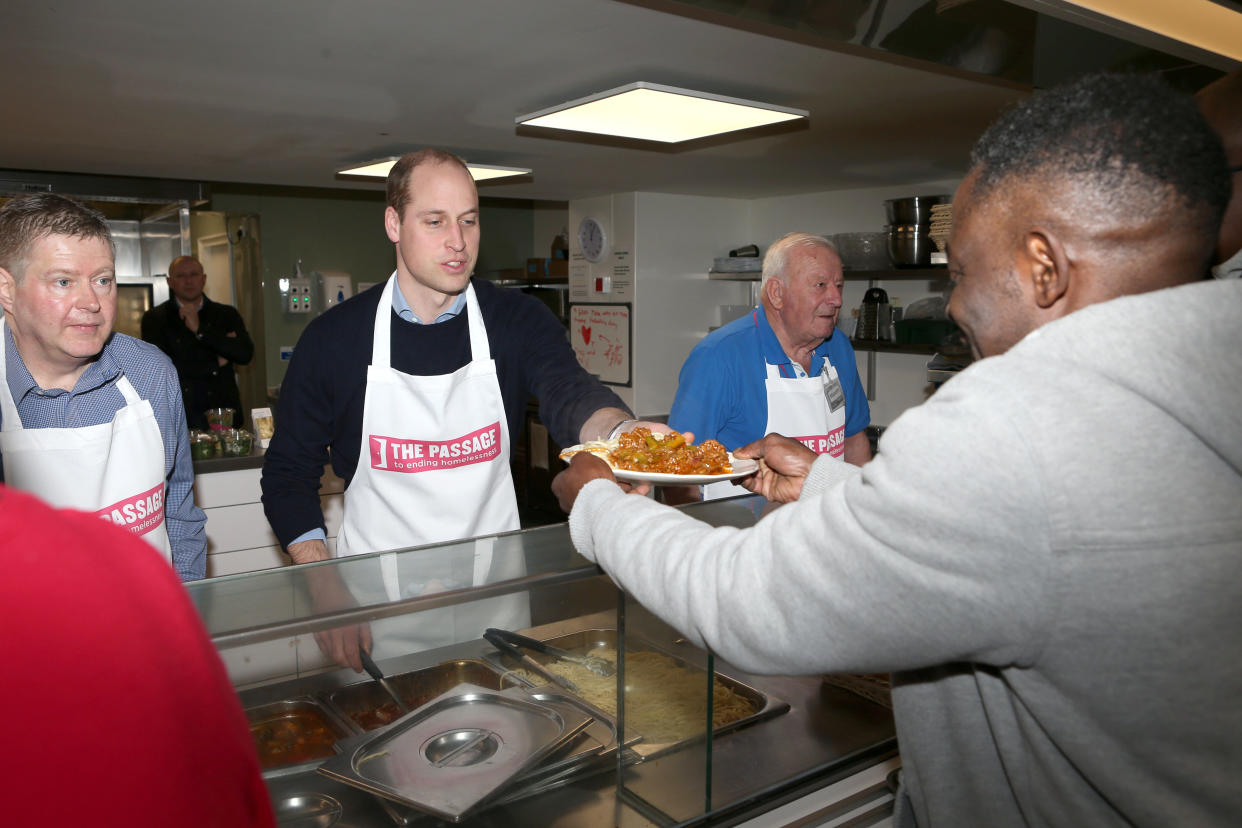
<point x="414" y="391"/>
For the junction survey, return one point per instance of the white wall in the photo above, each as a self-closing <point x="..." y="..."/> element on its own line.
<point x="675" y="304"/>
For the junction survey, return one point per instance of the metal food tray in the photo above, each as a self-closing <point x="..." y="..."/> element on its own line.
<point x="456" y="752"/>
<point x="416" y="688"/>
<point x="287" y="709"/>
<point x="583" y="641"/>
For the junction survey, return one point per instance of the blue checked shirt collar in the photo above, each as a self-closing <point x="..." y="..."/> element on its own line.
<point x="404" y="310"/>
<point x="21" y="382"/>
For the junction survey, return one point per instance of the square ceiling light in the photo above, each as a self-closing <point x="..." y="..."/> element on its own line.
<point x="379" y="170"/>
<point x="651" y="112"/>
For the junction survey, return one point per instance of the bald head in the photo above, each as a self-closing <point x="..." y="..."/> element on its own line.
<point x="186" y="279"/>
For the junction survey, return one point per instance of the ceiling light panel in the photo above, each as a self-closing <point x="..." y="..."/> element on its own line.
<point x="480" y="172"/>
<point x="651" y="112"/>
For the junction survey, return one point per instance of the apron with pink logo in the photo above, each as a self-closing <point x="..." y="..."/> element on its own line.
<point x="809" y="409"/>
<point x="115" y="470"/>
<point x="433" y="467"/>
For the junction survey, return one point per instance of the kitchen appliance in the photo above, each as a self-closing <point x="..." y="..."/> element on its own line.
<point x="875" y="318"/>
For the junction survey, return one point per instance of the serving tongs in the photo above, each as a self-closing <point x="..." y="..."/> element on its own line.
<point x="598" y="665"/>
<point x="376" y="673"/>
<point x="500" y="640"/>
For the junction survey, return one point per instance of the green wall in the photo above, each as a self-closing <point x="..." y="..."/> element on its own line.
<point x="343" y="230"/>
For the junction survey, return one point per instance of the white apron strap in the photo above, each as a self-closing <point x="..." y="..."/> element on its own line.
<point x="381" y="343"/>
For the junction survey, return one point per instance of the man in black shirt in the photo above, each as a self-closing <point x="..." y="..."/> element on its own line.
<point x="414" y="391"/>
<point x="204" y="340"/>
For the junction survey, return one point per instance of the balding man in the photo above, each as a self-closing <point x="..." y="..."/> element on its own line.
<point x="204" y="340"/>
<point x="1045" y="554"/>
<point x="783" y="367"/>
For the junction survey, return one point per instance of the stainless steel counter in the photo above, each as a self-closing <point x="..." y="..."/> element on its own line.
<point x="262" y="622"/>
<point x="827" y="735"/>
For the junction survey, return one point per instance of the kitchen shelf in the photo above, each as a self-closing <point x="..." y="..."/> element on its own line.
<point x="891" y="274"/>
<point x="748" y="276"/>
<point x="892" y="347"/>
<point x="898" y="273"/>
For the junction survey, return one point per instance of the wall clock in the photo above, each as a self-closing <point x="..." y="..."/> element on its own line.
<point x="592" y="239"/>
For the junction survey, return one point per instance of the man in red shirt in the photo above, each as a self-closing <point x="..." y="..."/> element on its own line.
<point x="119" y="711"/>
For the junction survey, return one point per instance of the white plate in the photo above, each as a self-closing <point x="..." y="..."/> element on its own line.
<point x="600" y="448"/>
<point x="741" y="468"/>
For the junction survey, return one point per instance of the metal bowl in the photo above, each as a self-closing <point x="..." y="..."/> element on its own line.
<point x="914" y="209"/>
<point x="909" y="246"/>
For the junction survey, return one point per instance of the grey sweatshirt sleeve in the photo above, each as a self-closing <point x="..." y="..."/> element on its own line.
<point x="935" y="552"/>
<point x="826" y="473"/>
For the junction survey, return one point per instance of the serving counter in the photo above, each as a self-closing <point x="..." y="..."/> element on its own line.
<point x="801" y="745"/>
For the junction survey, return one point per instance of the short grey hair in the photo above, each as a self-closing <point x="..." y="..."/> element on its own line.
<point x="776" y="260"/>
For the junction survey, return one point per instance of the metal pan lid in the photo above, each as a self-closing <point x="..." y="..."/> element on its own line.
<point x="455" y="752"/>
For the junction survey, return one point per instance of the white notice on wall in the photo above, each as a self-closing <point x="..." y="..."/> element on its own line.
<point x="600" y="335"/>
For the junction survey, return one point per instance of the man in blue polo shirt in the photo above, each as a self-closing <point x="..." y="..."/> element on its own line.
<point x="781" y="368"/>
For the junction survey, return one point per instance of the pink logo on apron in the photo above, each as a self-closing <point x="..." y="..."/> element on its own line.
<point x="138" y="514"/>
<point x="831" y="443"/>
<point x="411" y="456"/>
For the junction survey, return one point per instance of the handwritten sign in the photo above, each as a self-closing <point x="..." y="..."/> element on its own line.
<point x="600" y="335"/>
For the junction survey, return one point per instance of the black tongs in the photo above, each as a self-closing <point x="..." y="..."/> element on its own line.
<point x="500" y="639"/>
<point x="376" y="673"/>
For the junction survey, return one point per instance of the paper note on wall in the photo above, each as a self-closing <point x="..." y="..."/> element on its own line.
<point x="600" y="335"/>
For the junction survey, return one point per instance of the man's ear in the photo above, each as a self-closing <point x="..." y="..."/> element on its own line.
<point x="773" y="293"/>
<point x="8" y="290"/>
<point x="392" y="225"/>
<point x="1047" y="267"/>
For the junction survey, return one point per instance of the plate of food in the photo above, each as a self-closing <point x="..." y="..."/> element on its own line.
<point x="639" y="456"/>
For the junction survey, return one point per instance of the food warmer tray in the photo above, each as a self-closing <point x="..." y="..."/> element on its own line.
<point x="293" y="715"/>
<point x="763" y="705"/>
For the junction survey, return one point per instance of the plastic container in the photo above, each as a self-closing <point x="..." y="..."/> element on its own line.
<point x="862" y="251"/>
<point x="219" y="418"/>
<point x="203" y="445"/>
<point x="236" y="442"/>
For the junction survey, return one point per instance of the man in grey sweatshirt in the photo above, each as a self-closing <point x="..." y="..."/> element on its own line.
<point x="1046" y="554"/>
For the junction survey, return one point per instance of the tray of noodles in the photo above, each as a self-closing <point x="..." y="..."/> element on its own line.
<point x="665" y="700"/>
<point x="639" y="456"/>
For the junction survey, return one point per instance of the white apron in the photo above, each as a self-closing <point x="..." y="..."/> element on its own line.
<point x="433" y="466"/>
<point x="115" y="470"/>
<point x="809" y="409"/>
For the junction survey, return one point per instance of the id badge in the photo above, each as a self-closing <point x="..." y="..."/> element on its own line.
<point x="834" y="394"/>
